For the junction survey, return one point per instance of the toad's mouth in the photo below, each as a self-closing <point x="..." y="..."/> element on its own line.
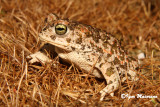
<point x="58" y="45"/>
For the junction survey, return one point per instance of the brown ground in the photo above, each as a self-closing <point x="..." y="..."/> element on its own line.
<point x="135" y="22"/>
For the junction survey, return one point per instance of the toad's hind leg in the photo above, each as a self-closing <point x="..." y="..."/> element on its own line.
<point x="112" y="85"/>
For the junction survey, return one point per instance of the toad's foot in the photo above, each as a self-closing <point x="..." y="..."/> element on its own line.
<point x="108" y="89"/>
<point x="38" y="57"/>
<point x="112" y="85"/>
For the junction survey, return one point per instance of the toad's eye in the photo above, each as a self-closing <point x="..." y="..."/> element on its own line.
<point x="60" y="29"/>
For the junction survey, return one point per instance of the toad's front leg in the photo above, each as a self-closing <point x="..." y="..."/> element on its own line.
<point x="38" y="57"/>
<point x="43" y="55"/>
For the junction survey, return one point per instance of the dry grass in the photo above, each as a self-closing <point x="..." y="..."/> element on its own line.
<point x="135" y="22"/>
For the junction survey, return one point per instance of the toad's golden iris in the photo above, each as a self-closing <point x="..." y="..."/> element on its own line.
<point x="60" y="29"/>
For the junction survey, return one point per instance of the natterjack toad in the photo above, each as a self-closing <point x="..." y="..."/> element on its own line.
<point x="89" y="49"/>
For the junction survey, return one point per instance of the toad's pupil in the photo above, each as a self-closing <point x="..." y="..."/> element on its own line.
<point x="60" y="28"/>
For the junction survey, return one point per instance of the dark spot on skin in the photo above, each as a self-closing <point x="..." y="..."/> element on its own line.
<point x="52" y="25"/>
<point x="44" y="29"/>
<point x="99" y="59"/>
<point x="110" y="71"/>
<point x="95" y="34"/>
<point x="88" y="60"/>
<point x="121" y="52"/>
<point x="112" y="87"/>
<point x="99" y="50"/>
<point x="92" y="45"/>
<point x="88" y="34"/>
<point x="112" y="50"/>
<point x="108" y="55"/>
<point x="88" y="46"/>
<point x="122" y="66"/>
<point x="50" y="30"/>
<point x="110" y="82"/>
<point x="108" y="36"/>
<point x="79" y="34"/>
<point x="105" y="37"/>
<point x="131" y="59"/>
<point x="100" y="65"/>
<point x="79" y="40"/>
<point x="82" y="47"/>
<point x="118" y="69"/>
<point x="106" y="44"/>
<point x="114" y="45"/>
<point x="53" y="37"/>
<point x="73" y="48"/>
<point x="115" y="41"/>
<point x="122" y="58"/>
<point x="125" y="64"/>
<point x="137" y="68"/>
<point x="45" y="20"/>
<point x="123" y="75"/>
<point x="68" y="40"/>
<point x="71" y="26"/>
